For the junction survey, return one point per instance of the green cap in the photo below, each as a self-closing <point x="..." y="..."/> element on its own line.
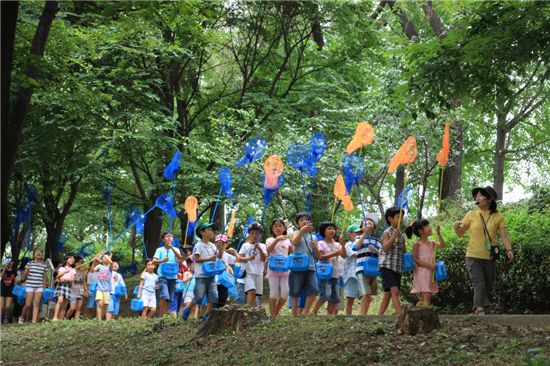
<point x="205" y="225"/>
<point x="353" y="228"/>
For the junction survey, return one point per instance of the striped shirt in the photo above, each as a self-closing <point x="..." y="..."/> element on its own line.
<point x="394" y="258"/>
<point x="36" y="276"/>
<point x="365" y="251"/>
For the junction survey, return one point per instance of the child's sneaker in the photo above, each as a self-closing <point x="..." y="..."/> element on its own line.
<point x="185" y="313"/>
<point x="205" y="317"/>
<point x="21" y="320"/>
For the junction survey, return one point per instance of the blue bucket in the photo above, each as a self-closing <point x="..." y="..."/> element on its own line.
<point x="440" y="271"/>
<point x="18" y="291"/>
<point x="169" y="269"/>
<point x="226" y="280"/>
<point x="213" y="268"/>
<point x="120" y="290"/>
<point x="408" y="262"/>
<point x="370" y="267"/>
<point x="324" y="270"/>
<point x="278" y="263"/>
<point x="179" y="286"/>
<point x="298" y="262"/>
<point x="136" y="305"/>
<point x="48" y="294"/>
<point x="238" y="271"/>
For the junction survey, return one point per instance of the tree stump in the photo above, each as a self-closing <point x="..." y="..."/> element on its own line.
<point x="231" y="317"/>
<point x="418" y="320"/>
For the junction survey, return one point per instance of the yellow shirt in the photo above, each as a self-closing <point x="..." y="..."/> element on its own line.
<point x="476" y="244"/>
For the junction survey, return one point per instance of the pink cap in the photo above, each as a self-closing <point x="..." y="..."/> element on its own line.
<point x="221" y="237"/>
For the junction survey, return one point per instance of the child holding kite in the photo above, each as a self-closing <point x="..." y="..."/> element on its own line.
<point x="114" y="303"/>
<point x="424" y="258"/>
<point x="278" y="244"/>
<point x="391" y="259"/>
<point x="304" y="243"/>
<point x="367" y="246"/>
<point x="204" y="251"/>
<point x="147" y="290"/>
<point x="104" y="284"/>
<point x="253" y="254"/>
<point x="329" y="250"/>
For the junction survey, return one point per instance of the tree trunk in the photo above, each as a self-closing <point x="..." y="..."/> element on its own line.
<point x="500" y="157"/>
<point x="13" y="129"/>
<point x="153" y="227"/>
<point x="399" y="183"/>
<point x="53" y="231"/>
<point x="452" y="178"/>
<point x="231" y="317"/>
<point x="418" y="320"/>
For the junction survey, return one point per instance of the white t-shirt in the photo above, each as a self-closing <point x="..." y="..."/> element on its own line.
<point x="228" y="259"/>
<point x="255" y="266"/>
<point x="204" y="250"/>
<point x="350" y="263"/>
<point x="150" y="281"/>
<point x="116" y="279"/>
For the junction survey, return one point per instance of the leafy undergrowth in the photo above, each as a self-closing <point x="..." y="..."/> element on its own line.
<point x="304" y="341"/>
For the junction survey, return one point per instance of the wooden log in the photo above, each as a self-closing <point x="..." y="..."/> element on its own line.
<point x="418" y="320"/>
<point x="231" y="317"/>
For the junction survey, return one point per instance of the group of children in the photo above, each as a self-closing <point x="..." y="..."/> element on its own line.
<point x="203" y="291"/>
<point x="346" y="258"/>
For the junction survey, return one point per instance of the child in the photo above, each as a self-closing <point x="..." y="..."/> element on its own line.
<point x="6" y="287"/>
<point x="35" y="277"/>
<point x="391" y="259"/>
<point x="329" y="251"/>
<point x="367" y="246"/>
<point x="167" y="283"/>
<point x="78" y="289"/>
<point x="91" y="278"/>
<point x="221" y="243"/>
<point x="349" y="267"/>
<point x="146" y="291"/>
<point x="424" y="258"/>
<point x="65" y="278"/>
<point x="188" y="284"/>
<point x="304" y="243"/>
<point x="104" y="284"/>
<point x="253" y="255"/>
<point x="278" y="244"/>
<point x="114" y="301"/>
<point x="204" y="251"/>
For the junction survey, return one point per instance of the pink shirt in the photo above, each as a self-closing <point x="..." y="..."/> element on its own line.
<point x="281" y="248"/>
<point x="68" y="272"/>
<point x="327" y="248"/>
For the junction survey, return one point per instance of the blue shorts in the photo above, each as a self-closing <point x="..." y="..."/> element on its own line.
<point x="114" y="305"/>
<point x="329" y="290"/>
<point x="352" y="288"/>
<point x="167" y="288"/>
<point x="205" y="286"/>
<point x="302" y="280"/>
<point x="91" y="300"/>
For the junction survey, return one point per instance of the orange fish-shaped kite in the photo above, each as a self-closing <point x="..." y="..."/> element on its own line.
<point x="190" y="207"/>
<point x="231" y="224"/>
<point x="340" y="192"/>
<point x="405" y="155"/>
<point x="273" y="168"/>
<point x="443" y="156"/>
<point x="364" y="134"/>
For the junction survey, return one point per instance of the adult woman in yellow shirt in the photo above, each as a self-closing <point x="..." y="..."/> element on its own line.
<point x="485" y="224"/>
